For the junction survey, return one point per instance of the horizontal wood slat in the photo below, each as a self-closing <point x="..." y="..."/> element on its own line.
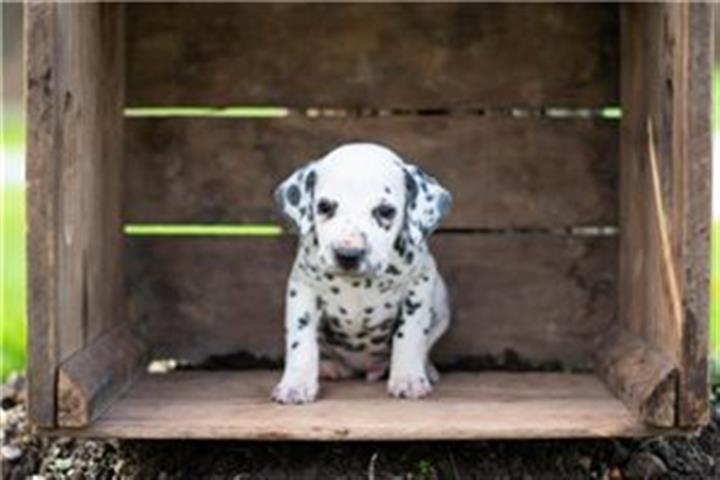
<point x="372" y="55"/>
<point x="235" y="405"/>
<point x="503" y="172"/>
<point x="545" y="298"/>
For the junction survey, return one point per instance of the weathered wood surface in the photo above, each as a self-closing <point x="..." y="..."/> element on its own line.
<point x="75" y="100"/>
<point x="232" y="405"/>
<point x="503" y="172"/>
<point x="42" y="213"/>
<point x="372" y="55"/>
<point x="94" y="377"/>
<point x="546" y="298"/>
<point x="665" y="81"/>
<point x="643" y="377"/>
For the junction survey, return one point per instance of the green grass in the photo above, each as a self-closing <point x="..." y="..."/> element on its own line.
<point x="203" y="230"/>
<point x="715" y="249"/>
<point x="12" y="256"/>
<point x="232" y="112"/>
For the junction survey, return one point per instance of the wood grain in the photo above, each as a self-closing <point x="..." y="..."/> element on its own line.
<point x="42" y="214"/>
<point x="372" y="55"/>
<point x="75" y="99"/>
<point x="503" y="172"/>
<point x="235" y="405"/>
<point x="546" y="298"/>
<point x="665" y="82"/>
<point x="94" y="377"/>
<point x="643" y="377"/>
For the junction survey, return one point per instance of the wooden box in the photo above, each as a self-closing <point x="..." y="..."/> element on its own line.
<point x="576" y="141"/>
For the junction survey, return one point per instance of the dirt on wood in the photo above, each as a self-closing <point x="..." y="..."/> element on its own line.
<point x="26" y="455"/>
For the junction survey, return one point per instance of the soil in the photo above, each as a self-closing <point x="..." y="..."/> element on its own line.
<point x="25" y="455"/>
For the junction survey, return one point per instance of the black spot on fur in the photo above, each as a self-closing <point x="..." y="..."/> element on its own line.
<point x="368" y="283"/>
<point x="329" y="276"/>
<point x="388" y="305"/>
<point x="335" y="290"/>
<point x="379" y="340"/>
<point x="293" y="195"/>
<point x="369" y="310"/>
<point x="356" y="284"/>
<point x="294" y="345"/>
<point x="343" y="310"/>
<point x="303" y="321"/>
<point x="387" y="190"/>
<point x="310" y="181"/>
<point x="425" y="278"/>
<point x="426" y="331"/>
<point x="400" y="245"/>
<point x="399" y="334"/>
<point x="409" y="257"/>
<point x="411" y="307"/>
<point x="392" y="270"/>
<point x="319" y="302"/>
<point x="292" y="292"/>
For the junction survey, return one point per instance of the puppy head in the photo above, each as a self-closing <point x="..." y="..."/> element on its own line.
<point x="358" y="200"/>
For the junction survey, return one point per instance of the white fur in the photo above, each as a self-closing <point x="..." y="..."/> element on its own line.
<point x="391" y="310"/>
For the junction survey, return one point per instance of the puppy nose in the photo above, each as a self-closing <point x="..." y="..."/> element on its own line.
<point x="349" y="258"/>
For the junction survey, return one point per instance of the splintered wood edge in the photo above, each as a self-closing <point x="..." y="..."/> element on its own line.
<point x="640" y="376"/>
<point x="92" y="378"/>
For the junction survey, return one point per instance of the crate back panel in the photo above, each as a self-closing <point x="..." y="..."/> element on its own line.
<point x="502" y="172"/>
<point x="546" y="298"/>
<point x="386" y="56"/>
<point x="435" y="84"/>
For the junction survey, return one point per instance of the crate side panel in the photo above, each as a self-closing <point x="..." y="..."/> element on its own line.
<point x="664" y="254"/>
<point x="696" y="212"/>
<point x="372" y="55"/>
<point x="42" y="215"/>
<point x="502" y="172"/>
<point x="75" y="100"/>
<point x="90" y="141"/>
<point x="544" y="300"/>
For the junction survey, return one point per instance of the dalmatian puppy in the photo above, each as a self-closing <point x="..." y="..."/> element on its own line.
<point x="364" y="294"/>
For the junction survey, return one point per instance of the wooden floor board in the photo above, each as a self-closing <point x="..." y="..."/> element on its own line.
<point x="224" y="405"/>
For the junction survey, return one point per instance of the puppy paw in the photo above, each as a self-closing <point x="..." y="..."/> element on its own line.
<point x="409" y="386"/>
<point x="295" y="393"/>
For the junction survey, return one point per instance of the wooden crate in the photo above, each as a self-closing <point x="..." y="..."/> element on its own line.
<point x="576" y="253"/>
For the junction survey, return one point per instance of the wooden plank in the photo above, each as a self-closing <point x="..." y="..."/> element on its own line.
<point x="547" y="299"/>
<point x="94" y="377"/>
<point x="666" y="83"/>
<point x="644" y="378"/>
<point x="75" y="100"/>
<point x="235" y="405"/>
<point x="697" y="213"/>
<point x="42" y="215"/>
<point x="372" y="55"/>
<point x="503" y="172"/>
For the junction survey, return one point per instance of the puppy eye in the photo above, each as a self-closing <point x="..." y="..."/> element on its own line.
<point x="326" y="207"/>
<point x="386" y="212"/>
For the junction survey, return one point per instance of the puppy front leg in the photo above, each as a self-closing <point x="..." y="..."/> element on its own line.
<point x="408" y="376"/>
<point x="299" y="383"/>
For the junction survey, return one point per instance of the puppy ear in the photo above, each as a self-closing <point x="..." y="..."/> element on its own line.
<point x="426" y="203"/>
<point x="294" y="197"/>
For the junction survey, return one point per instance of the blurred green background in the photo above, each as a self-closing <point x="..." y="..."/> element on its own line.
<point x="12" y="204"/>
